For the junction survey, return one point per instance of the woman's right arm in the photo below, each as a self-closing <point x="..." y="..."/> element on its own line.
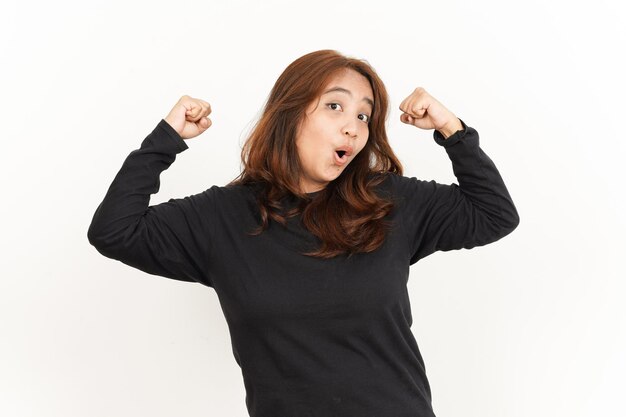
<point x="171" y="239"/>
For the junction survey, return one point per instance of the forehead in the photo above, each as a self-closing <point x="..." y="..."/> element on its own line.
<point x="352" y="83"/>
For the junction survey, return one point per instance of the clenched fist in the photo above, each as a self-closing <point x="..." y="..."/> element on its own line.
<point x="189" y="117"/>
<point x="422" y="110"/>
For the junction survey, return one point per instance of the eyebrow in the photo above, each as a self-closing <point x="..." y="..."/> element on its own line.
<point x="343" y="90"/>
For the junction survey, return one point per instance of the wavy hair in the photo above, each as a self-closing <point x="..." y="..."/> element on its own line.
<point x="347" y="216"/>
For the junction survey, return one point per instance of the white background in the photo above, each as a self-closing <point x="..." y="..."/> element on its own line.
<point x="531" y="325"/>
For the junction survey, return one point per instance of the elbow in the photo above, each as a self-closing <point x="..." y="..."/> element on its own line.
<point x="513" y="218"/>
<point x="97" y="236"/>
<point x="508" y="229"/>
<point x="509" y="222"/>
<point x="94" y="237"/>
<point x="501" y="225"/>
<point x="94" y="233"/>
<point x="515" y="222"/>
<point x="109" y="241"/>
<point x="105" y="245"/>
<point x="103" y="233"/>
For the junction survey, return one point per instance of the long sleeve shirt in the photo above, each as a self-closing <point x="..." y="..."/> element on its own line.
<point x="313" y="337"/>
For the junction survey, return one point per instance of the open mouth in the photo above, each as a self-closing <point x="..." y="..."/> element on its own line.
<point x="341" y="157"/>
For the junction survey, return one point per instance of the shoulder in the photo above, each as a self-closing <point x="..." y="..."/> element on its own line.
<point x="235" y="198"/>
<point x="218" y="196"/>
<point x="394" y="183"/>
<point x="232" y="192"/>
<point x="406" y="190"/>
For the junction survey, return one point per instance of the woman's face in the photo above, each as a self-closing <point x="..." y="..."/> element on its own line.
<point x="334" y="130"/>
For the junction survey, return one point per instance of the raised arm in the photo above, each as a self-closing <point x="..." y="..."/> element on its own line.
<point x="171" y="239"/>
<point x="477" y="211"/>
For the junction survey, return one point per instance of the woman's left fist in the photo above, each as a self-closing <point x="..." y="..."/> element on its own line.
<point x="422" y="110"/>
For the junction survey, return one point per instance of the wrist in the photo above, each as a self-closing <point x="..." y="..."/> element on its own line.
<point x="451" y="128"/>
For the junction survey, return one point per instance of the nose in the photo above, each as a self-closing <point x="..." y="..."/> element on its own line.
<point x="349" y="129"/>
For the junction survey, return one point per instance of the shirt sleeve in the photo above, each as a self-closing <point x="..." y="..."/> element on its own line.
<point x="442" y="217"/>
<point x="171" y="239"/>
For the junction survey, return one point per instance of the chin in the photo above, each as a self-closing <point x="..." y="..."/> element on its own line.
<point x="334" y="176"/>
<point x="330" y="176"/>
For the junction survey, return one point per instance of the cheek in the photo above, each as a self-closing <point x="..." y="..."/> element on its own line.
<point x="315" y="147"/>
<point x="362" y="145"/>
<point x="308" y="153"/>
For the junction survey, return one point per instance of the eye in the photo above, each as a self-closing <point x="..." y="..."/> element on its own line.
<point x="333" y="104"/>
<point x="367" y="117"/>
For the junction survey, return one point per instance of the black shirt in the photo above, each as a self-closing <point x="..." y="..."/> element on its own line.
<point x="313" y="337"/>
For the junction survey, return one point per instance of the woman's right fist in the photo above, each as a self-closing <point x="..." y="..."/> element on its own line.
<point x="189" y="117"/>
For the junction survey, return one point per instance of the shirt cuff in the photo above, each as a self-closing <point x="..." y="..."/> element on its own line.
<point x="452" y="139"/>
<point x="173" y="134"/>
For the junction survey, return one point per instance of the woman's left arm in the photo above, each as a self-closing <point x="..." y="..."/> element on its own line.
<point x="477" y="211"/>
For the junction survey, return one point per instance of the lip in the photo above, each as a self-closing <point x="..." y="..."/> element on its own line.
<point x="340" y="161"/>
<point x="348" y="150"/>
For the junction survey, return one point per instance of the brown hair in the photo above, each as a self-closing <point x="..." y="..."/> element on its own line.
<point x="347" y="216"/>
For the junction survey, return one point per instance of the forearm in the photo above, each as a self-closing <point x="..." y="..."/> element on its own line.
<point x="481" y="182"/>
<point x="128" y="196"/>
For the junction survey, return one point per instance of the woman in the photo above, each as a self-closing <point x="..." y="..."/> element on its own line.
<point x="309" y="248"/>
